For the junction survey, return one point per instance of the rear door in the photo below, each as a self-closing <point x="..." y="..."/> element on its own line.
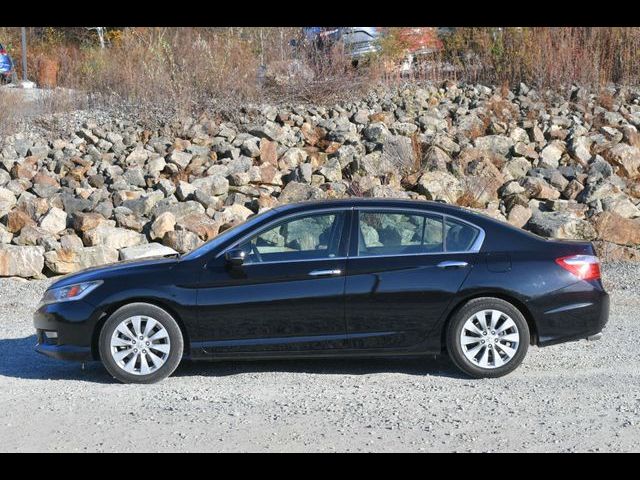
<point x="403" y="270"/>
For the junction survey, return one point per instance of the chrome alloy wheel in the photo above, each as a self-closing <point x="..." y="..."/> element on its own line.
<point x="140" y="345"/>
<point x="489" y="339"/>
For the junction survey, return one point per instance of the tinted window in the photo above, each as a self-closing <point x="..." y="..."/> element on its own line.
<point x="385" y="233"/>
<point x="460" y="236"/>
<point x="302" y="238"/>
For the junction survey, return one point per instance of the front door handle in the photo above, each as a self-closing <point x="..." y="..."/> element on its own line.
<point x="321" y="273"/>
<point x="452" y="264"/>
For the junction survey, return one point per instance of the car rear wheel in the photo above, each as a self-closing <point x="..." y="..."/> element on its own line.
<point x="140" y="343"/>
<point x="487" y="338"/>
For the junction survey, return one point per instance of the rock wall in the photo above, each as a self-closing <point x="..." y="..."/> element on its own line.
<point x="564" y="165"/>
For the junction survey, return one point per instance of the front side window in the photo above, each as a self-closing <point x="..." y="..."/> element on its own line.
<point x="390" y="233"/>
<point x="302" y="238"/>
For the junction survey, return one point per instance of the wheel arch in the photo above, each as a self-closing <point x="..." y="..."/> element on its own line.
<point x="95" y="351"/>
<point x="522" y="308"/>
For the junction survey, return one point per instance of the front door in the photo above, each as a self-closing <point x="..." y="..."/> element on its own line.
<point x="403" y="271"/>
<point x="288" y="295"/>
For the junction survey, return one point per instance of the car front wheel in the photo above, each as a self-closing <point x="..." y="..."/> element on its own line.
<point x="487" y="338"/>
<point x="140" y="343"/>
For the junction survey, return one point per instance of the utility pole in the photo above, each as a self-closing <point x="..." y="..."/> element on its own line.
<point x="24" y="53"/>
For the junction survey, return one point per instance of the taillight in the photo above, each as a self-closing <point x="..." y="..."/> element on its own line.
<point x="585" y="267"/>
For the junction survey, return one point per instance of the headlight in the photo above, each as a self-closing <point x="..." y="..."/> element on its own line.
<point x="69" y="293"/>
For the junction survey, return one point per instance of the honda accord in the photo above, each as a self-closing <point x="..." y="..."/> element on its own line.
<point x="348" y="278"/>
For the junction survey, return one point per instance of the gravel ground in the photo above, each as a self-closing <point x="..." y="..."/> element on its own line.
<point x="582" y="396"/>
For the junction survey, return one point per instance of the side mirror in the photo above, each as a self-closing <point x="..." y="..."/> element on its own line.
<point x="235" y="257"/>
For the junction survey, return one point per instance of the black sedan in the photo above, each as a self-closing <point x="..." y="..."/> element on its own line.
<point x="352" y="277"/>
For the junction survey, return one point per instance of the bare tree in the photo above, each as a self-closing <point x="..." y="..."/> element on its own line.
<point x="100" y="32"/>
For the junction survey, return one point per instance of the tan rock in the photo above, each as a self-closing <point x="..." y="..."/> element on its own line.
<point x="67" y="260"/>
<point x="200" y="224"/>
<point x="17" y="219"/>
<point x="611" y="227"/>
<point x="519" y="216"/>
<point x="21" y="261"/>
<point x="268" y="152"/>
<point x="84" y="221"/>
<point x="165" y="222"/>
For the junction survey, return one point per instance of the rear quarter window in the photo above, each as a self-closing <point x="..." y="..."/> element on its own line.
<point x="459" y="236"/>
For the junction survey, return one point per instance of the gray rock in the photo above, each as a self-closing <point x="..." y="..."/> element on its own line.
<point x="439" y="185"/>
<point x="182" y="159"/>
<point x="496" y="144"/>
<point x="213" y="185"/>
<point x="561" y="225"/>
<point x="398" y="151"/>
<point x="550" y="155"/>
<point x="54" y="221"/>
<point x="113" y="237"/>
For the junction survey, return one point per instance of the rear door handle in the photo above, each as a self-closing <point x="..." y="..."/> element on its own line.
<point x="321" y="273"/>
<point x="452" y="264"/>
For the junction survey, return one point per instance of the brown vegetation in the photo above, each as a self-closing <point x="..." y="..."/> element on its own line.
<point x="189" y="68"/>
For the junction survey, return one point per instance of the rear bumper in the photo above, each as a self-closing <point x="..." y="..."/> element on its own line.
<point x="577" y="312"/>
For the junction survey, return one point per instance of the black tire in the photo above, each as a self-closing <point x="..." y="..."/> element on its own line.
<point x="161" y="316"/>
<point x="454" y="330"/>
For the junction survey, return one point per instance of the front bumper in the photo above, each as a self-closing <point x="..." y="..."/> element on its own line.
<point x="72" y="324"/>
<point x="65" y="352"/>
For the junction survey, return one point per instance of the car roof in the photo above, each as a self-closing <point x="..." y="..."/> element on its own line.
<point x="354" y="202"/>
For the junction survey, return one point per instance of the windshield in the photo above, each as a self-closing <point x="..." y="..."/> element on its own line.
<point x="228" y="234"/>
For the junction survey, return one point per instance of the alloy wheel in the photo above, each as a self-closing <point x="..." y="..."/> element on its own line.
<point x="140" y="345"/>
<point x="489" y="339"/>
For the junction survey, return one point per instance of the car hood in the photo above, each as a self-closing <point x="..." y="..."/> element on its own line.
<point x="147" y="265"/>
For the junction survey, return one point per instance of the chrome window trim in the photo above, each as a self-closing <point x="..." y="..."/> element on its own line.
<point x="475" y="248"/>
<point x="296" y="261"/>
<point x="276" y="221"/>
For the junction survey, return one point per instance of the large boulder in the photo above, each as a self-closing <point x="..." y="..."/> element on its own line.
<point x="496" y="144"/>
<point x="213" y="184"/>
<point x="298" y="192"/>
<point x="182" y="241"/>
<point x="614" y="228"/>
<point x="69" y="260"/>
<point x="165" y="222"/>
<point x="398" y="151"/>
<point x="438" y="185"/>
<point x="626" y="158"/>
<point x="561" y="225"/>
<point x="200" y="224"/>
<point x="21" y="261"/>
<point x="113" y="237"/>
<point x="7" y="201"/>
<point x="54" y="221"/>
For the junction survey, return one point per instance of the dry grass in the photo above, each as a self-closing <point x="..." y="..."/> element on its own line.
<point x="195" y="69"/>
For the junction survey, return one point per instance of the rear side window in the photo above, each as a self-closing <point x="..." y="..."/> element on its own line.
<point x="390" y="233"/>
<point x="459" y="236"/>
